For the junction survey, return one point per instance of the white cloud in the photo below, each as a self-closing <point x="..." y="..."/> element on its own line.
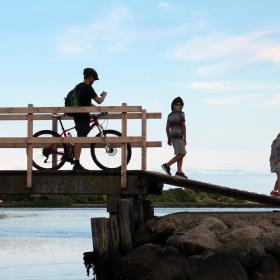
<point x="270" y="102"/>
<point x="119" y="31"/>
<point x="220" y="48"/>
<point x="222" y="101"/>
<point x="165" y="5"/>
<point x="222" y="86"/>
<point x="109" y="34"/>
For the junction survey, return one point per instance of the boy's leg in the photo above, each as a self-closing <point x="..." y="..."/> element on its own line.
<point x="180" y="163"/>
<point x="173" y="160"/>
<point x="277" y="183"/>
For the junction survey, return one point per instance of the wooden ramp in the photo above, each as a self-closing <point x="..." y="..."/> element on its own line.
<point x="99" y="182"/>
<point x="213" y="189"/>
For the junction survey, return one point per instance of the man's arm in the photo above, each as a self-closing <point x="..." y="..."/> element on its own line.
<point x="101" y="98"/>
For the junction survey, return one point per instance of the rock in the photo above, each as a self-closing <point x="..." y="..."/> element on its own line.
<point x="249" y="252"/>
<point x="213" y="266"/>
<point x="268" y="270"/>
<point x="213" y="224"/>
<point x="195" y="241"/>
<point x="150" y="262"/>
<point x="164" y="227"/>
<point x="155" y="231"/>
<point x="271" y="244"/>
<point x="242" y="233"/>
<point x="143" y="235"/>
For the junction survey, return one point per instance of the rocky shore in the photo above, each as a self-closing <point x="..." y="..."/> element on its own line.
<point x="204" y="246"/>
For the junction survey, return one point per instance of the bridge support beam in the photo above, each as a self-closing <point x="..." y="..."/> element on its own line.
<point x="114" y="236"/>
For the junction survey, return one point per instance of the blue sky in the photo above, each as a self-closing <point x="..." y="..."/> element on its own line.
<point x="221" y="57"/>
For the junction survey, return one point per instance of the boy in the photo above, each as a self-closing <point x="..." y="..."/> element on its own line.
<point x="275" y="164"/>
<point x="176" y="135"/>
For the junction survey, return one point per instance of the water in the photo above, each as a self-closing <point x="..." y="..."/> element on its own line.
<point x="48" y="244"/>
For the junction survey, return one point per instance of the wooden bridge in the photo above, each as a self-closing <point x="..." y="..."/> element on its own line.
<point x="138" y="182"/>
<point x="126" y="190"/>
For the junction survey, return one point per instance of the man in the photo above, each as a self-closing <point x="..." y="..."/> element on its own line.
<point x="176" y="135"/>
<point x="82" y="120"/>
<point x="275" y="164"/>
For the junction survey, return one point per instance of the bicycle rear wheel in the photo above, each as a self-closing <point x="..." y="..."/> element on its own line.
<point x="49" y="156"/>
<point x="107" y="156"/>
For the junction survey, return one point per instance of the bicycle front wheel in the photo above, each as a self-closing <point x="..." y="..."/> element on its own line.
<point x="49" y="156"/>
<point x="107" y="156"/>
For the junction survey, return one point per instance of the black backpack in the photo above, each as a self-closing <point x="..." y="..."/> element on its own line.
<point x="72" y="100"/>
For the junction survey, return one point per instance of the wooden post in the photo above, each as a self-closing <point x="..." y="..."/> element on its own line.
<point x="124" y="149"/>
<point x="144" y="140"/>
<point x="54" y="156"/>
<point x="124" y="215"/>
<point x="29" y="146"/>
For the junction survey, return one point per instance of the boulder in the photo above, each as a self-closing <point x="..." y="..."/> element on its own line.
<point x="271" y="245"/>
<point x="149" y="261"/>
<point x="194" y="241"/>
<point x="213" y="224"/>
<point x="164" y="227"/>
<point x="213" y="266"/>
<point x="242" y="233"/>
<point x="249" y="252"/>
<point x="268" y="269"/>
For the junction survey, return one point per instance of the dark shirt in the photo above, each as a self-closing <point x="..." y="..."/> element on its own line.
<point x="86" y="94"/>
<point x="175" y="119"/>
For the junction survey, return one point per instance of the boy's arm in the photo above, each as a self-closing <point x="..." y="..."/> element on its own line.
<point x="184" y="131"/>
<point x="168" y="133"/>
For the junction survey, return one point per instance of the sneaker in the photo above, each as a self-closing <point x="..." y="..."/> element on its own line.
<point x="78" y="167"/>
<point x="275" y="193"/>
<point x="166" y="169"/>
<point x="181" y="174"/>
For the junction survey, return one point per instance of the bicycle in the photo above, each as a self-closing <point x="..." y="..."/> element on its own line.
<point x="106" y="156"/>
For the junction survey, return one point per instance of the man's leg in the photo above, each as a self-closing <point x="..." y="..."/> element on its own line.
<point x="77" y="151"/>
<point x="83" y="128"/>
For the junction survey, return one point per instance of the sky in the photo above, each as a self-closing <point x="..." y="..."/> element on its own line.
<point x="221" y="57"/>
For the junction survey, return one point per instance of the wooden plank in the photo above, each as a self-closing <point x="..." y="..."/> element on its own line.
<point x="89" y="109"/>
<point x="54" y="155"/>
<point x="212" y="188"/>
<point x="20" y="145"/>
<point x="72" y="140"/>
<point x="29" y="147"/>
<point x="112" y="116"/>
<point x="124" y="149"/>
<point x="144" y="140"/>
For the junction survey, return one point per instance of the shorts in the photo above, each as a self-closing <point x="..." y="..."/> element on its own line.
<point x="82" y="127"/>
<point x="275" y="166"/>
<point x="179" y="146"/>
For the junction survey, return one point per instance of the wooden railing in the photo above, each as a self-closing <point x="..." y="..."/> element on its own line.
<point x="124" y="113"/>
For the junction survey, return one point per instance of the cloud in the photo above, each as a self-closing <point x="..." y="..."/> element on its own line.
<point x="222" y="86"/>
<point x="165" y="5"/>
<point x="225" y="49"/>
<point x="223" y="101"/>
<point x="118" y="31"/>
<point x="109" y="34"/>
<point x="270" y="102"/>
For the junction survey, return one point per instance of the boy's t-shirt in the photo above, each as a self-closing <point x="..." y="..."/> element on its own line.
<point x="175" y="119"/>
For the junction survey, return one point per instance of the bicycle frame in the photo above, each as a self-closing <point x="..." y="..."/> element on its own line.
<point x="93" y="123"/>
